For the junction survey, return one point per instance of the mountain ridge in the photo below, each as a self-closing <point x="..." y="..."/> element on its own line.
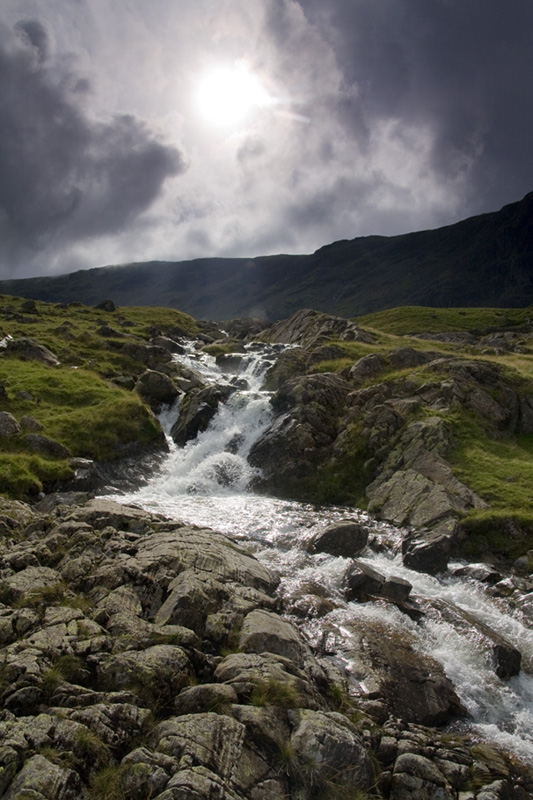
<point x="482" y="261"/>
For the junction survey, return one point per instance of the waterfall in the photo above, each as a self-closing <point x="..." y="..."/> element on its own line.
<point x="205" y="483"/>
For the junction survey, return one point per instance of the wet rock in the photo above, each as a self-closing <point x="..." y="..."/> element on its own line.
<point x="230" y="363"/>
<point x="360" y="580"/>
<point x="416" y="690"/>
<point x="197" y="410"/>
<point x="347" y="539"/>
<point x="429" y="553"/>
<point x="505" y="657"/>
<point x="396" y="589"/>
<point x="478" y="572"/>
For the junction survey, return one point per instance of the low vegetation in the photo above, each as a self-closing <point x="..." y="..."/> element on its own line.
<point x="75" y="403"/>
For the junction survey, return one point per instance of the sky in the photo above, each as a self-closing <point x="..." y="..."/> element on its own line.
<point x="135" y="130"/>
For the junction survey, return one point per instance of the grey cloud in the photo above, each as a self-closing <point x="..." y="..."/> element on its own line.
<point x="63" y="175"/>
<point x="36" y="34"/>
<point x="462" y="69"/>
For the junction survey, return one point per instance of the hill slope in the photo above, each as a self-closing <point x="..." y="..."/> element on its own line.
<point x="482" y="261"/>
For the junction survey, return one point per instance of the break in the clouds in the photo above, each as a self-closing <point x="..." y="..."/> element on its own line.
<point x="361" y="117"/>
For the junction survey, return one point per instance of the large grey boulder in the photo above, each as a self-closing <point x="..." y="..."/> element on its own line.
<point x="369" y="366"/>
<point x="213" y="741"/>
<point x="311" y="328"/>
<point x="30" y="350"/>
<point x="416" y="689"/>
<point x="265" y="632"/>
<point x="347" y="539"/>
<point x="40" y="779"/>
<point x="156" y="388"/>
<point x="161" y="670"/>
<point x="417" y="777"/>
<point x="329" y="752"/>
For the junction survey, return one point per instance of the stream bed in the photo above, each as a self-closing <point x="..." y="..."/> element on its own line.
<point x="205" y="483"/>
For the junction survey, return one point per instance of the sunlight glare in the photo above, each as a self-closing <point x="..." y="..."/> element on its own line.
<point x="227" y="95"/>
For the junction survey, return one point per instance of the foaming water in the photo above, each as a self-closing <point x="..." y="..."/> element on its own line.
<point x="205" y="484"/>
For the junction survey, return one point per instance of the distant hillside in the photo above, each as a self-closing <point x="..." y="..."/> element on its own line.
<point x="482" y="261"/>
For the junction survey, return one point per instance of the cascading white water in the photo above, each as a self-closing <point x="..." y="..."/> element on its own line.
<point x="205" y="483"/>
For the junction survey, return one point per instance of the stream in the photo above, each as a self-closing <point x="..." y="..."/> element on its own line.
<point x="205" y="483"/>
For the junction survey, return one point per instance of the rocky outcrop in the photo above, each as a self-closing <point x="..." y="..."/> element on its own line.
<point x="305" y="428"/>
<point x="149" y="658"/>
<point x="311" y="328"/>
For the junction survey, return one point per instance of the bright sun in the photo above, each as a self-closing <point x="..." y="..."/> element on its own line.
<point x="228" y="94"/>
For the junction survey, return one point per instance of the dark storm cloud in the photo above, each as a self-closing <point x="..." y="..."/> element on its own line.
<point x="462" y="69"/>
<point x="64" y="175"/>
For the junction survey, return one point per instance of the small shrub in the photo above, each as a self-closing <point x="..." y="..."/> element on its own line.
<point x="108" y="783"/>
<point x="275" y="693"/>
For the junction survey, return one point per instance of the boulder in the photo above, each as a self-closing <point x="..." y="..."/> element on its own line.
<point x="310" y="328"/>
<point x="347" y="539"/>
<point x="417" y="777"/>
<point x="396" y="589"/>
<point x="205" y="697"/>
<point x="197" y="410"/>
<point x="8" y="425"/>
<point x="211" y="740"/>
<point x="161" y="670"/>
<point x="360" y="580"/>
<point x="415" y="689"/>
<point x="265" y="632"/>
<point x="30" y="424"/>
<point x="329" y="752"/>
<point x="106" y="305"/>
<point x="30" y="350"/>
<point x="156" y="389"/>
<point x="369" y="366"/>
<point x="109" y="333"/>
<point x="428" y="553"/>
<point x="40" y="779"/>
<point x="45" y="446"/>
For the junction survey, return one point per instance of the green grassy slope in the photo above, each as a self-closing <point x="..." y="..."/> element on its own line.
<point x="75" y="402"/>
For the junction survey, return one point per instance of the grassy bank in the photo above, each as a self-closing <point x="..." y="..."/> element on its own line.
<point x="75" y="403"/>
